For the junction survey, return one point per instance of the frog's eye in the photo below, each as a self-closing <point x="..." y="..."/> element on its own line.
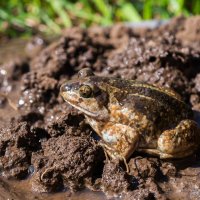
<point x="85" y="72"/>
<point x="85" y="91"/>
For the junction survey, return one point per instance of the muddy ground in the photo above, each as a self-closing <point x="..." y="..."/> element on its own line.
<point x="47" y="151"/>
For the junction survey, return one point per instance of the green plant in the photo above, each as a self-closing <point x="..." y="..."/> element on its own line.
<point x="51" y="16"/>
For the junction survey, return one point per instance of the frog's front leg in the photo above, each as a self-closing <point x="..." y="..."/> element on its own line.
<point x="179" y="142"/>
<point x="119" y="140"/>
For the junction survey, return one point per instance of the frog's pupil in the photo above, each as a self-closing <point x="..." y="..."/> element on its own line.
<point x="85" y="91"/>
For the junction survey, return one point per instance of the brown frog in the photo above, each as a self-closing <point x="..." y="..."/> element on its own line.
<point x="129" y="115"/>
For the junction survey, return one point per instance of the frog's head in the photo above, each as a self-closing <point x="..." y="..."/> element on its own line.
<point x="86" y="94"/>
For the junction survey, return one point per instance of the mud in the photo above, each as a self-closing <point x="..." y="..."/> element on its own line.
<point x="48" y="151"/>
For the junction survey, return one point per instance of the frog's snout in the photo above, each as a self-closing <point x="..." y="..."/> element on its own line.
<point x="69" y="91"/>
<point x="69" y="86"/>
<point x="65" y="88"/>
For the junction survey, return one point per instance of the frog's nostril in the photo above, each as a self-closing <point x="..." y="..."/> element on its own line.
<point x="65" y="88"/>
<point x="70" y="86"/>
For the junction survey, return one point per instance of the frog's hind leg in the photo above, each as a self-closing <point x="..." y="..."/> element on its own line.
<point x="126" y="164"/>
<point x="179" y="142"/>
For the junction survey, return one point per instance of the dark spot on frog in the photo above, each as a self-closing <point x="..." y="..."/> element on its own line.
<point x="102" y="98"/>
<point x="80" y="100"/>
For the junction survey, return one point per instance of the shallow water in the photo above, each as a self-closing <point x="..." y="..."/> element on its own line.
<point x="18" y="190"/>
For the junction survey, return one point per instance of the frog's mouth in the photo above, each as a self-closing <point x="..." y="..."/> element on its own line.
<point x="85" y="111"/>
<point x="75" y="101"/>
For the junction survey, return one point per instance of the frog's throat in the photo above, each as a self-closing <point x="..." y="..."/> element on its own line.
<point x="87" y="112"/>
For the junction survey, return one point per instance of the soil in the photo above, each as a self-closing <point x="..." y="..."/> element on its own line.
<point x="48" y="151"/>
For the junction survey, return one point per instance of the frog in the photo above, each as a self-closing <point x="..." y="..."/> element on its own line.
<point x="130" y="115"/>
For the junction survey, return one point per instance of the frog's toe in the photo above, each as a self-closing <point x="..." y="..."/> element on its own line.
<point x="179" y="142"/>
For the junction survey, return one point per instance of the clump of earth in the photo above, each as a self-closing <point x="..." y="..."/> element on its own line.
<point x="47" y="144"/>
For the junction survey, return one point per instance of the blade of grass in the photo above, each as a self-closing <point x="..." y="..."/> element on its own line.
<point x="105" y="10"/>
<point x="147" y="9"/>
<point x="130" y="13"/>
<point x="102" y="7"/>
<point x="58" y="8"/>
<point x="175" y="6"/>
<point x="87" y="6"/>
<point x="11" y="19"/>
<point x="82" y="13"/>
<point x="50" y="23"/>
<point x="196" y="7"/>
<point x="35" y="7"/>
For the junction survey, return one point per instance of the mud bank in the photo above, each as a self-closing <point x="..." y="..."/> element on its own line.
<point x="46" y="145"/>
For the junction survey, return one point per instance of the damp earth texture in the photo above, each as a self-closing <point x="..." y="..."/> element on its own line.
<point x="146" y="81"/>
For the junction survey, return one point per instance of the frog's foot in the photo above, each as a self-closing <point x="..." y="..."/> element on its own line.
<point x="105" y="147"/>
<point x="108" y="149"/>
<point x="126" y="164"/>
<point x="179" y="142"/>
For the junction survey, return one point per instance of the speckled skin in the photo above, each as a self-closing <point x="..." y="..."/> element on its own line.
<point x="130" y="115"/>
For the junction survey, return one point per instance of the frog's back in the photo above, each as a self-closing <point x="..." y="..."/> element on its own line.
<point x="159" y="105"/>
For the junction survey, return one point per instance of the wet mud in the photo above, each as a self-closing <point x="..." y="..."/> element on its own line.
<point x="48" y="151"/>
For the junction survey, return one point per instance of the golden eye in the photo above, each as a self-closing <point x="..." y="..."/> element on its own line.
<point x="85" y="91"/>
